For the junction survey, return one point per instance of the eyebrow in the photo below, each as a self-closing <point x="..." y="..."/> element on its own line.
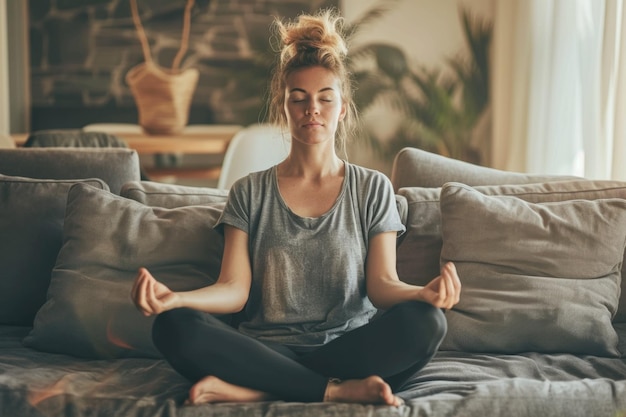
<point x="303" y="91"/>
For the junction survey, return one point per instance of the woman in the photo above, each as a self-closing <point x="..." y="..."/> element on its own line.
<point x="310" y="253"/>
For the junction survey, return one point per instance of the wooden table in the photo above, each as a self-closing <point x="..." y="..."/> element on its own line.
<point x="209" y="140"/>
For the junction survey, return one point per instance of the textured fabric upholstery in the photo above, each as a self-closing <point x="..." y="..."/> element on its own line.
<point x="73" y="138"/>
<point x="115" y="166"/>
<point x="31" y="226"/>
<point x="76" y="138"/>
<point x="537" y="277"/>
<point x="414" y="167"/>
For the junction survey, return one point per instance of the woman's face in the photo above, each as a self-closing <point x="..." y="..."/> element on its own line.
<point x="313" y="105"/>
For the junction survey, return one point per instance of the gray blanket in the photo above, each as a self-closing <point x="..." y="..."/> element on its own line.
<point x="39" y="384"/>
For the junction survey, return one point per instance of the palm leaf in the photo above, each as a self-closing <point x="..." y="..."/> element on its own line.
<point x="441" y="106"/>
<point x="370" y="87"/>
<point x="478" y="34"/>
<point x="388" y="58"/>
<point x="370" y="15"/>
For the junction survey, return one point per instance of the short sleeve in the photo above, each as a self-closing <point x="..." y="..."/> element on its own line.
<point x="237" y="210"/>
<point x="382" y="210"/>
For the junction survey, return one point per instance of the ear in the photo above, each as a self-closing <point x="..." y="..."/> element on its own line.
<point x="344" y="111"/>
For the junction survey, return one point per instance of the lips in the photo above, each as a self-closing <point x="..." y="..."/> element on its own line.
<point x="313" y="124"/>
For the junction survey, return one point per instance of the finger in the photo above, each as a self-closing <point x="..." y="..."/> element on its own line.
<point x="139" y="284"/>
<point x="144" y="295"/>
<point x="142" y="298"/>
<point x="448" y="284"/>
<point x="134" y="289"/>
<point x="443" y="286"/>
<point x="456" y="282"/>
<point x="152" y="299"/>
<point x="161" y="290"/>
<point x="435" y="292"/>
<point x="150" y="295"/>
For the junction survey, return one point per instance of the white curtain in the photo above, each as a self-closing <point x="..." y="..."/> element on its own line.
<point x="4" y="65"/>
<point x="559" y="87"/>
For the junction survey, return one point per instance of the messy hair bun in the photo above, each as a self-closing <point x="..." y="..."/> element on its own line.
<point x="312" y="40"/>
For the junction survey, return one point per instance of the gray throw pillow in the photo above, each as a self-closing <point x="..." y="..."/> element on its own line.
<point x="541" y="277"/>
<point x="419" y="252"/>
<point x="31" y="224"/>
<point x="157" y="194"/>
<point x="89" y="312"/>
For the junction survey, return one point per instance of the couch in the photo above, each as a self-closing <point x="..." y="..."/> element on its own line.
<point x="540" y="329"/>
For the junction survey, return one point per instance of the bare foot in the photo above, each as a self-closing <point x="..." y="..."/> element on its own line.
<point x="211" y="389"/>
<point x="370" y="390"/>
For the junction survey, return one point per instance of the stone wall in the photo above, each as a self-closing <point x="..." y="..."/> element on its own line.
<point x="80" y="51"/>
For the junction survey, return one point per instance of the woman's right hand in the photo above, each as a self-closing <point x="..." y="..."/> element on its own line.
<point x="150" y="296"/>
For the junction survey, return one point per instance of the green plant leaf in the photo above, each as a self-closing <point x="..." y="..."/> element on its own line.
<point x="389" y="59"/>
<point x="370" y="15"/>
<point x="441" y="105"/>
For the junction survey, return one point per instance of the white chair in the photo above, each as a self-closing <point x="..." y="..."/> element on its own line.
<point x="254" y="148"/>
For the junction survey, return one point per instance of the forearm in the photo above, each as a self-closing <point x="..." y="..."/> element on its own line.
<point x="386" y="293"/>
<point x="444" y="291"/>
<point x="230" y="293"/>
<point x="219" y="298"/>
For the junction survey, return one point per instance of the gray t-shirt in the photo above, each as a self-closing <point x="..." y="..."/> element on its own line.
<point x="308" y="274"/>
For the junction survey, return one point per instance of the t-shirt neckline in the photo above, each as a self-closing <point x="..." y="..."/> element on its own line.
<point x="308" y="220"/>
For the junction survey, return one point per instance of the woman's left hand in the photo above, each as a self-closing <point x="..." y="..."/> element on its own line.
<point x="445" y="290"/>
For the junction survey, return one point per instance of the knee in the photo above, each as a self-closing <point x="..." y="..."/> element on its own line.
<point x="424" y="325"/>
<point x="169" y="328"/>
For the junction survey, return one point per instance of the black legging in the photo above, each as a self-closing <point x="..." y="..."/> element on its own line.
<point x="394" y="346"/>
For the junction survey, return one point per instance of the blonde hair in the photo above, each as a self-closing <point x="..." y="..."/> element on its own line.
<point x="313" y="40"/>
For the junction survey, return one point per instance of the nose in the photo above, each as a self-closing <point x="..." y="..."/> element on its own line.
<point x="312" y="108"/>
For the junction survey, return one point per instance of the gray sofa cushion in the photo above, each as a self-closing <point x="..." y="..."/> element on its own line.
<point x="89" y="312"/>
<point x="31" y="224"/>
<point x="420" y="248"/>
<point x="74" y="138"/>
<point x="537" y="277"/>
<point x="414" y="167"/>
<point x="115" y="166"/>
<point x="171" y="195"/>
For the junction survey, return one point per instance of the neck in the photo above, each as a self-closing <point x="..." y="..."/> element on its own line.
<point x="311" y="164"/>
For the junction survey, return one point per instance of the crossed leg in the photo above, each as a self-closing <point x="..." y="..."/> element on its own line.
<point x="192" y="352"/>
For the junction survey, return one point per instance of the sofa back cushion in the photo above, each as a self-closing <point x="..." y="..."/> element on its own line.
<point x="115" y="166"/>
<point x="31" y="227"/>
<point x="537" y="277"/>
<point x="420" y="249"/>
<point x="414" y="167"/>
<point x="155" y="194"/>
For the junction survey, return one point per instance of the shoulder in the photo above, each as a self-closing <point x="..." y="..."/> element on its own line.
<point x="252" y="182"/>
<point x="367" y="178"/>
<point x="246" y="196"/>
